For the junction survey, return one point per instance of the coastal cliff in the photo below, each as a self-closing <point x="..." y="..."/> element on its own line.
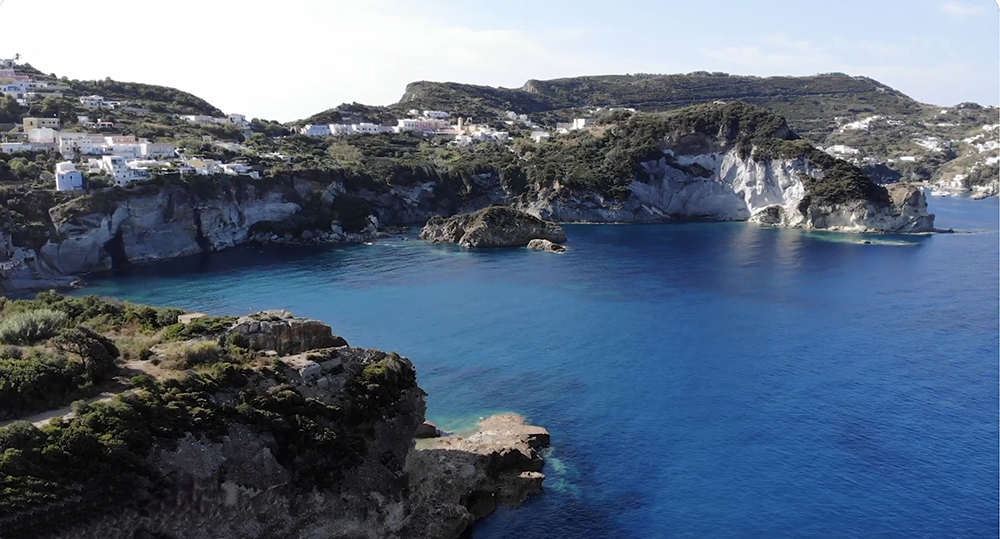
<point x="263" y="426"/>
<point x="729" y="162"/>
<point x="722" y="186"/>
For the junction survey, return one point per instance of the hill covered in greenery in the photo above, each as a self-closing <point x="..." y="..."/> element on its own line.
<point x="808" y="103"/>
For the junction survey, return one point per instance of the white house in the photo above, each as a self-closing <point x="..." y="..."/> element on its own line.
<point x="439" y="114"/>
<point x="367" y="128"/>
<point x="71" y="143"/>
<point x="125" y="146"/>
<point x="42" y="135"/>
<point x="539" y="136"/>
<point x="341" y="129"/>
<point x="318" y="130"/>
<point x="203" y="167"/>
<point x="422" y="125"/>
<point x="92" y="101"/>
<point x="198" y="118"/>
<point x="68" y="178"/>
<point x="118" y="168"/>
<point x="239" y="169"/>
<point x="238" y="120"/>
<point x="157" y="149"/>
<point x="14" y="147"/>
<point x="580" y="123"/>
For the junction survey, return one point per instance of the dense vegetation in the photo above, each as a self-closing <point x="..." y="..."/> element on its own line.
<point x="97" y="462"/>
<point x="158" y="98"/>
<point x="54" y="350"/>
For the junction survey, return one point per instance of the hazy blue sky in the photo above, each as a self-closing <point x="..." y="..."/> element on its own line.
<point x="290" y="58"/>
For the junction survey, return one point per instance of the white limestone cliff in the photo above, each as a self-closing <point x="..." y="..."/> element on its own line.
<point x="723" y="186"/>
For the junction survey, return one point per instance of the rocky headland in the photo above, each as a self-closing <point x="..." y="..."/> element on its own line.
<point x="264" y="426"/>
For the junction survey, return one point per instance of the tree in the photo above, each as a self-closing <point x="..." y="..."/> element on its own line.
<point x="97" y="351"/>
<point x="10" y="110"/>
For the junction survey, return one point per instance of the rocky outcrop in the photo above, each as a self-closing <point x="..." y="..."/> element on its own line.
<point x="241" y="484"/>
<point x="907" y="213"/>
<point x="457" y="480"/>
<point x="285" y="334"/>
<point x="495" y="226"/>
<point x="546" y="245"/>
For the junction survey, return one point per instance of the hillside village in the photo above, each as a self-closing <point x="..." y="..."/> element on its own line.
<point x="70" y="139"/>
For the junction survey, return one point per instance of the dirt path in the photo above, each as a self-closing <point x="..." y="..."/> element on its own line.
<point x="43" y="418"/>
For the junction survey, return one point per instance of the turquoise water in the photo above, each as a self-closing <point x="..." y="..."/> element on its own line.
<point x="699" y="380"/>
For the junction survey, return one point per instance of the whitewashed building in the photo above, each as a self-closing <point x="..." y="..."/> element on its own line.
<point x="42" y="135"/>
<point x="367" y="128"/>
<point x="157" y="149"/>
<point x="93" y="101"/>
<point x="422" y="125"/>
<point x="72" y="143"/>
<point x="539" y="136"/>
<point x="316" y="130"/>
<point x="117" y="167"/>
<point x="68" y="178"/>
<point x="239" y="169"/>
<point x="438" y="114"/>
<point x="14" y="147"/>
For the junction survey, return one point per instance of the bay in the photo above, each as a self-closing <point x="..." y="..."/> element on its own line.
<point x="699" y="380"/>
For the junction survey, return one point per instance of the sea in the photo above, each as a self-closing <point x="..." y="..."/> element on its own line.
<point x="699" y="380"/>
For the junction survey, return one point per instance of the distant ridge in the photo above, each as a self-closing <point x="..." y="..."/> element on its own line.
<point x="809" y="103"/>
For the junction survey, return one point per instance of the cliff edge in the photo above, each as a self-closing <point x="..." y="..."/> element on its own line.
<point x="264" y="426"/>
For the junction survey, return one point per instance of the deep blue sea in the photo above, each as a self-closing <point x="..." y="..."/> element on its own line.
<point x="704" y="380"/>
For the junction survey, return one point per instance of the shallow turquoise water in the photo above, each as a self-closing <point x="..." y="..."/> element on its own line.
<point x="699" y="380"/>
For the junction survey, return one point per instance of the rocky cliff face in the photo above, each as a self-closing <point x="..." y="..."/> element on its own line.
<point x="245" y="483"/>
<point x="722" y="186"/>
<point x="157" y="223"/>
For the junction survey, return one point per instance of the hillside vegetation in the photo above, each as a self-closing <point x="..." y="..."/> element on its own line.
<point x="808" y="103"/>
<point x="197" y="382"/>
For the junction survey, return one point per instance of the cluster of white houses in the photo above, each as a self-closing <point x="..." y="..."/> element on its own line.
<point x="123" y="171"/>
<point x="24" y="88"/>
<point x="428" y="122"/>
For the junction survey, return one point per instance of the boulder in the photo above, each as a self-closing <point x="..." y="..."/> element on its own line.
<point x="545" y="245"/>
<point x="495" y="226"/>
<point x="427" y="430"/>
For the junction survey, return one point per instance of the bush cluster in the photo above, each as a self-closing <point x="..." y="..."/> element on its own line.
<point x="29" y="327"/>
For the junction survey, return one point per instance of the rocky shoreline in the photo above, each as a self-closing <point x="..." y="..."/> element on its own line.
<point x="244" y="482"/>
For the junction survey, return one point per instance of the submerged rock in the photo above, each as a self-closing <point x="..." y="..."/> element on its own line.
<point x="495" y="226"/>
<point x="546" y="245"/>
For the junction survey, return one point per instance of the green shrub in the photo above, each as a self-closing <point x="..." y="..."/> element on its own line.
<point x="29" y="327"/>
<point x="237" y="340"/>
<point x="199" y="326"/>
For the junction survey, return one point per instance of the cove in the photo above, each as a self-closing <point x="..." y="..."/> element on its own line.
<point x="699" y="380"/>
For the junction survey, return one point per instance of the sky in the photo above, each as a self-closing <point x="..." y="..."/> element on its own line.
<point x="287" y="59"/>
